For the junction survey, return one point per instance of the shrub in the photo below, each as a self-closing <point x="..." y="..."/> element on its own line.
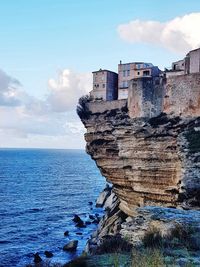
<point x="147" y="258"/>
<point x="153" y="238"/>
<point x="79" y="262"/>
<point x="82" y="109"/>
<point x="113" y="244"/>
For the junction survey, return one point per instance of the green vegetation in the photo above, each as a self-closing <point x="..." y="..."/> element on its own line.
<point x="79" y="262"/>
<point x="182" y="243"/>
<point x="147" y="258"/>
<point x="193" y="138"/>
<point x="82" y="109"/>
<point x="153" y="238"/>
<point x="113" y="244"/>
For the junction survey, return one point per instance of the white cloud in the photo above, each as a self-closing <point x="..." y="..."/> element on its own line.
<point x="34" y="121"/>
<point x="67" y="89"/>
<point x="10" y="93"/>
<point x="180" y="34"/>
<point x="75" y="127"/>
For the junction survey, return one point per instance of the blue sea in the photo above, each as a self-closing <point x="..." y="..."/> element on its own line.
<point x="40" y="191"/>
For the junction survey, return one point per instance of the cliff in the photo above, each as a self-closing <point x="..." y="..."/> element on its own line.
<point x="152" y="159"/>
<point x="149" y="161"/>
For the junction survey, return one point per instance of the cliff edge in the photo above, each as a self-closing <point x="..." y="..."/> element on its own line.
<point x="150" y="161"/>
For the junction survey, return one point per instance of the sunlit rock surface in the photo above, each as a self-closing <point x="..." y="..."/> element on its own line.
<point x="150" y="162"/>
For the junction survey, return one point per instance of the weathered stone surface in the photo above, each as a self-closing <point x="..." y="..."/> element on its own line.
<point x="103" y="197"/>
<point x="149" y="161"/>
<point x="161" y="218"/>
<point x="110" y="201"/>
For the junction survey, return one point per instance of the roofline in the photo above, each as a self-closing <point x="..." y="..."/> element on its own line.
<point x="178" y="61"/>
<point x="104" y="70"/>
<point x="193" y="51"/>
<point x="135" y="63"/>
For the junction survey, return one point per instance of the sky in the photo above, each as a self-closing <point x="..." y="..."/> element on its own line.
<point x="48" y="49"/>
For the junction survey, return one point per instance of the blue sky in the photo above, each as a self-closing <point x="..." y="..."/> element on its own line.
<point x="41" y="38"/>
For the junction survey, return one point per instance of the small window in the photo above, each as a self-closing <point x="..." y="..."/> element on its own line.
<point x="138" y="73"/>
<point x="103" y="85"/>
<point x="146" y="73"/>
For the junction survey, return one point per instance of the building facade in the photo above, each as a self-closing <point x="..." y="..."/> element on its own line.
<point x="129" y="71"/>
<point x="193" y="61"/>
<point x="105" y="84"/>
<point x="190" y="64"/>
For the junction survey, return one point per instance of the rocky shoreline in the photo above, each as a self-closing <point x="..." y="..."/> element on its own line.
<point x="179" y="228"/>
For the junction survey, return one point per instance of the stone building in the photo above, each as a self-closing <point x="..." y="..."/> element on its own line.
<point x="129" y="71"/>
<point x="190" y="64"/>
<point x="104" y="85"/>
<point x="192" y="60"/>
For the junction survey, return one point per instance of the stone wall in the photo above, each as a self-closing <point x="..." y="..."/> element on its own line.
<point x="178" y="95"/>
<point x="145" y="97"/>
<point x="102" y="106"/>
<point x="182" y="95"/>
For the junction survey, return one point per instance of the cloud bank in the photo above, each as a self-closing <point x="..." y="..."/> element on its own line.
<point x="51" y="119"/>
<point x="180" y="34"/>
<point x="67" y="89"/>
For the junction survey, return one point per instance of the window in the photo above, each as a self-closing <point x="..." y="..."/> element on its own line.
<point x="125" y="84"/>
<point x="146" y="73"/>
<point x="103" y="85"/>
<point x="128" y="72"/>
<point x="124" y="73"/>
<point x="138" y="73"/>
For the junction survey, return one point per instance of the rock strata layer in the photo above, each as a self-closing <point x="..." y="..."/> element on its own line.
<point x="150" y="162"/>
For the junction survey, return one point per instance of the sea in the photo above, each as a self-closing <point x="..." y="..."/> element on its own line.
<point x="40" y="191"/>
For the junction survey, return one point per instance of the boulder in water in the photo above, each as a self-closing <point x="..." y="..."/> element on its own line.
<point x="37" y="258"/>
<point x="71" y="246"/>
<point x="48" y="254"/>
<point x="66" y="233"/>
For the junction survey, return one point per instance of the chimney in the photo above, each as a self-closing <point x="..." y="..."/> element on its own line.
<point x="120" y="62"/>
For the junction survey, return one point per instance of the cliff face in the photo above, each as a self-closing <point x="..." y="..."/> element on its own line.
<point x="151" y="162"/>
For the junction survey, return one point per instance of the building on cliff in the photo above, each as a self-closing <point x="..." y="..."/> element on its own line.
<point x="134" y="70"/>
<point x="190" y="64"/>
<point x="104" y="85"/>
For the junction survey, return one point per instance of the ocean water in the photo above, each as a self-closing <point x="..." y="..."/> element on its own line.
<point x="40" y="191"/>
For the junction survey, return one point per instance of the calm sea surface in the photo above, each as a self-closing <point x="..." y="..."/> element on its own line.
<point x="40" y="191"/>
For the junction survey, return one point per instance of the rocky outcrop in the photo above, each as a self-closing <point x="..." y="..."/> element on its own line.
<point x="150" y="162"/>
<point x="71" y="246"/>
